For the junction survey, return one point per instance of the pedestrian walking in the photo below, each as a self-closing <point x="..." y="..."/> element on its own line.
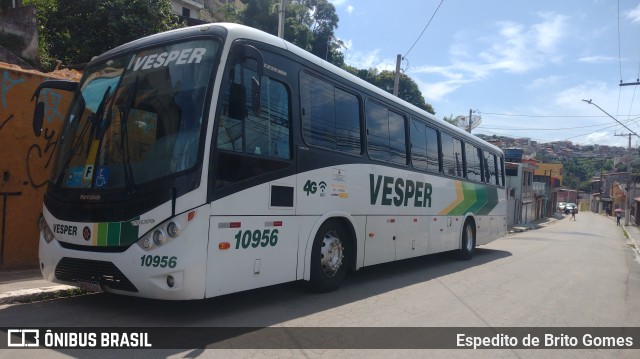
<point x="618" y="216"/>
<point x="573" y="213"/>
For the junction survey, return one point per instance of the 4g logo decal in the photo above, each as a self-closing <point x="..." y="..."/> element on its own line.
<point x="311" y="187"/>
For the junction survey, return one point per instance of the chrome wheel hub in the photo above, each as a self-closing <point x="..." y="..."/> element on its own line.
<point x="331" y="254"/>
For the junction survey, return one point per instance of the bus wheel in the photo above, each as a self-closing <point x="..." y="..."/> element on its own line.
<point x="468" y="241"/>
<point x="328" y="257"/>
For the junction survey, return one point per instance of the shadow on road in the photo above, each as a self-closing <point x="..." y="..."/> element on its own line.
<point x="255" y="308"/>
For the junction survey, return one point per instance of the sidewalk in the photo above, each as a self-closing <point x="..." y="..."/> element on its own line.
<point x="20" y="286"/>
<point x="535" y="224"/>
<point x="632" y="232"/>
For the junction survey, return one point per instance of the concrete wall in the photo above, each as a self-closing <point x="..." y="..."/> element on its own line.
<point x="25" y="160"/>
<point x="20" y="22"/>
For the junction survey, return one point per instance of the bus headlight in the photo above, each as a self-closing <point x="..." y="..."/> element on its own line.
<point x="173" y="229"/>
<point x="166" y="231"/>
<point x="158" y="237"/>
<point x="45" y="230"/>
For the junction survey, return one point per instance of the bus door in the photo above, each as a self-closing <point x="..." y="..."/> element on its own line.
<point x="253" y="236"/>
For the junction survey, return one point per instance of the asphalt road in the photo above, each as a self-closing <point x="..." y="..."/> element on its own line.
<point x="568" y="274"/>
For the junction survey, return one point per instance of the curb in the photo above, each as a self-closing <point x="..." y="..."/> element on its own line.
<point x="38" y="294"/>
<point x="633" y="242"/>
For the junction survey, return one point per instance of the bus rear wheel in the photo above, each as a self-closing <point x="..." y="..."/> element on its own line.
<point x="468" y="243"/>
<point x="329" y="259"/>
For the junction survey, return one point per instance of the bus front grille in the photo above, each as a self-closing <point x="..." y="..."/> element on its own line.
<point x="106" y="273"/>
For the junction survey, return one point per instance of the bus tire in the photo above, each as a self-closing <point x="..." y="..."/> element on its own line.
<point x="329" y="259"/>
<point x="468" y="243"/>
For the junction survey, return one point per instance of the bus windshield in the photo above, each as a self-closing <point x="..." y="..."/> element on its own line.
<point x="136" y="118"/>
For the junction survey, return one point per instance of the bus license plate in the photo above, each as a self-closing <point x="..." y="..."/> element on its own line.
<point x="90" y="286"/>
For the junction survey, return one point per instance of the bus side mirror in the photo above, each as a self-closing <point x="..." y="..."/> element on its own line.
<point x="249" y="51"/>
<point x="38" y="113"/>
<point x="38" y="118"/>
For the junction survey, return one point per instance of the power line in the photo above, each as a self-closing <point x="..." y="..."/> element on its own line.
<point x="604" y="127"/>
<point x="545" y="129"/>
<point x="615" y="119"/>
<point x="423" y="30"/>
<point x="546" y="116"/>
<point x="619" y="51"/>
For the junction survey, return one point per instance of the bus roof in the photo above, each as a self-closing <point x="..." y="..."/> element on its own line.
<point x="236" y="31"/>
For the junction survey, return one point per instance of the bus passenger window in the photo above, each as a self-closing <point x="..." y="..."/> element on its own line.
<point x="386" y="134"/>
<point x="330" y="116"/>
<point x="473" y="163"/>
<point x="500" y="170"/>
<point x="378" y="131"/>
<point x="490" y="168"/>
<point x="251" y="143"/>
<point x="451" y="155"/>
<point x="397" y="142"/>
<point x="263" y="133"/>
<point x="424" y="147"/>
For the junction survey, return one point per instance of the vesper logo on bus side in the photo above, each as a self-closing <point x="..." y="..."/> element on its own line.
<point x="407" y="192"/>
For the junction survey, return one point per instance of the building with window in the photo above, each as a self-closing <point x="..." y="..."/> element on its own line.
<point x="521" y="200"/>
<point x="188" y="10"/>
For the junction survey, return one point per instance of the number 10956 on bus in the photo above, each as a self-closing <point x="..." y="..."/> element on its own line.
<point x="264" y="238"/>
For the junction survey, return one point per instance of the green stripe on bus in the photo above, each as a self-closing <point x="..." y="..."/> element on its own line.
<point x="113" y="236"/>
<point x="481" y="199"/>
<point x="492" y="201"/>
<point x="102" y="234"/>
<point x="469" y="193"/>
<point x="128" y="233"/>
<point x="478" y="199"/>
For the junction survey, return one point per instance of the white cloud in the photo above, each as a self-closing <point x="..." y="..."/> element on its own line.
<point x="634" y="14"/>
<point x="515" y="48"/>
<point x="600" y="137"/>
<point x="437" y="91"/>
<point x="543" y="82"/>
<point x="597" y="59"/>
<point x="369" y="60"/>
<point x="519" y="48"/>
<point x="573" y="96"/>
<point x="337" y="3"/>
<point x="350" y="9"/>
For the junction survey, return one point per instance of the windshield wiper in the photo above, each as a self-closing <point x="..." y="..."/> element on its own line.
<point x="124" y="143"/>
<point x="91" y="120"/>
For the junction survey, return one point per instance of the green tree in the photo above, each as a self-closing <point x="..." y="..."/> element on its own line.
<point x="452" y="120"/>
<point x="73" y="31"/>
<point x="309" y="24"/>
<point x="260" y="14"/>
<point x="579" y="172"/>
<point x="407" y="88"/>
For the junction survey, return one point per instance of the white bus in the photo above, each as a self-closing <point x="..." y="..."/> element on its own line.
<point x="217" y="158"/>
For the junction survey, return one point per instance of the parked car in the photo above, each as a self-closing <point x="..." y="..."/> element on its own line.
<point x="570" y="207"/>
<point x="561" y="206"/>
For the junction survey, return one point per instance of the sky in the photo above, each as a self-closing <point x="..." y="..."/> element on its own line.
<point x="523" y="66"/>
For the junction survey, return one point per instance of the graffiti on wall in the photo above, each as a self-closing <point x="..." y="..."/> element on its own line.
<point x="25" y="162"/>
<point x="37" y="156"/>
<point x="7" y="84"/>
<point x="40" y="151"/>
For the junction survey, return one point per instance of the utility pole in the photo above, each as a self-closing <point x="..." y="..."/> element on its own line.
<point x="550" y="208"/>
<point x="281" y="20"/>
<point x="615" y="119"/>
<point x="627" y="210"/>
<point x="630" y="83"/>
<point x="396" y="80"/>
